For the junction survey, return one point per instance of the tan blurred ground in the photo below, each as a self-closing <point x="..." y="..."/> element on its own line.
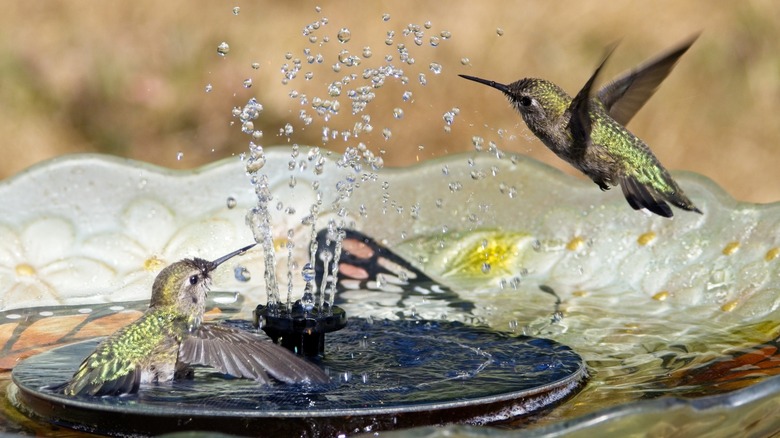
<point x="128" y="78"/>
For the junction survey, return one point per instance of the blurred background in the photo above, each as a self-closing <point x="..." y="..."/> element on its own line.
<point x="130" y="78"/>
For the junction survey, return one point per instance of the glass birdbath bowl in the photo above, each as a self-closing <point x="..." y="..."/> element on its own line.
<point x="675" y="319"/>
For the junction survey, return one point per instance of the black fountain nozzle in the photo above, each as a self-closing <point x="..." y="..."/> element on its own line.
<point x="300" y="330"/>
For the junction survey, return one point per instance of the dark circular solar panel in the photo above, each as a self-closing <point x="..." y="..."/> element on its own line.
<point x="384" y="375"/>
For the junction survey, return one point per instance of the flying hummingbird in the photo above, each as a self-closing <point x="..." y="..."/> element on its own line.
<point x="169" y="336"/>
<point x="589" y="131"/>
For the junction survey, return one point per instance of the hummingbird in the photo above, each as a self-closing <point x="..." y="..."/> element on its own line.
<point x="589" y="132"/>
<point x="170" y="336"/>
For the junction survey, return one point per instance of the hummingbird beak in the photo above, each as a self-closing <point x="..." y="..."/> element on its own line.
<point x="213" y="265"/>
<point x="501" y="87"/>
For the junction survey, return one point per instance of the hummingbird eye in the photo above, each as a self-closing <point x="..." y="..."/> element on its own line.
<point x="525" y="101"/>
<point x="194" y="280"/>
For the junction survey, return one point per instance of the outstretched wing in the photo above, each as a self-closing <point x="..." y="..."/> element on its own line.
<point x="580" y="110"/>
<point x="625" y="96"/>
<point x="243" y="354"/>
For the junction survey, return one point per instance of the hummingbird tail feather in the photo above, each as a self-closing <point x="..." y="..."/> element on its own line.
<point x="640" y="196"/>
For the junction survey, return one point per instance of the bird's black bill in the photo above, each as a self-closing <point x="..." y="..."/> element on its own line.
<point x="227" y="257"/>
<point x="494" y="84"/>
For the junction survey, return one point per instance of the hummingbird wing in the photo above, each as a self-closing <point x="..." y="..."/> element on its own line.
<point x="243" y="354"/>
<point x="580" y="109"/>
<point x="627" y="94"/>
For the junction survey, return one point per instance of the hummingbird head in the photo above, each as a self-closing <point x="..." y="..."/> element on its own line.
<point x="185" y="284"/>
<point x="541" y="103"/>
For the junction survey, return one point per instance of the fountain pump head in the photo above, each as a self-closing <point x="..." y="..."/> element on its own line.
<point x="298" y="329"/>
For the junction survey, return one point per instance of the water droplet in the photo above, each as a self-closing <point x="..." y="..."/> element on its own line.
<point x="179" y="155"/>
<point x="247" y="83"/>
<point x="428" y="24"/>
<point x="344" y="35"/>
<point x="385" y="17"/>
<point x="434" y="41"/>
<point x="422" y="79"/>
<point x="406" y="96"/>
<point x="308" y="272"/>
<point x="386" y="133"/>
<point x="398" y="113"/>
<point x="465" y="61"/>
<point x="231" y="202"/>
<point x="435" y="67"/>
<point x="255" y="65"/>
<point x="236" y="10"/>
<point x="367" y="52"/>
<point x="500" y="32"/>
<point x="242" y="274"/>
<point x="223" y="48"/>
<point x="209" y="88"/>
<point x="445" y="34"/>
<point x="485" y="267"/>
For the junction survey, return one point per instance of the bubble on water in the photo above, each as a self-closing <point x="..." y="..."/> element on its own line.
<point x="465" y="61"/>
<point x="445" y="34"/>
<point x="255" y="65"/>
<point x="209" y="88"/>
<point x="385" y="17"/>
<point x="223" y="48"/>
<point x="231" y="202"/>
<point x="485" y="267"/>
<point x="179" y="155"/>
<point x="344" y="35"/>
<point x="242" y="274"/>
<point x="236" y="10"/>
<point x="398" y="113"/>
<point x="435" y="67"/>
<point x="500" y="32"/>
<point x="247" y="83"/>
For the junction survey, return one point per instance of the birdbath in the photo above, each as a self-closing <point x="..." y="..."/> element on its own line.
<point x="657" y="308"/>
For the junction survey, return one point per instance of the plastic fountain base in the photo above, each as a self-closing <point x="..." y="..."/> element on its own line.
<point x="384" y="375"/>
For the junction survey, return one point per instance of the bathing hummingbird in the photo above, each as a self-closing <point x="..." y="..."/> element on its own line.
<point x="589" y="131"/>
<point x="169" y="336"/>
